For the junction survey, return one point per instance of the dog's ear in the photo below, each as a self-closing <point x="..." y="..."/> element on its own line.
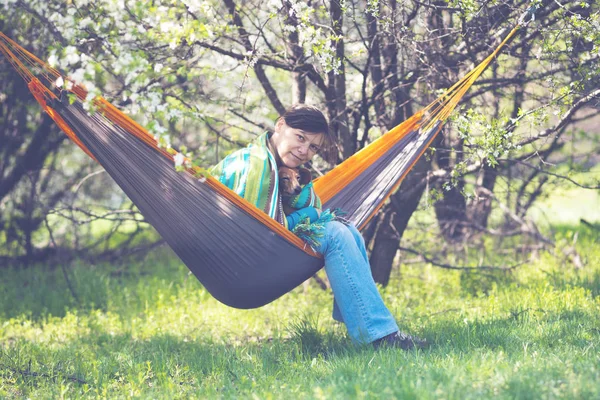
<point x="305" y="176"/>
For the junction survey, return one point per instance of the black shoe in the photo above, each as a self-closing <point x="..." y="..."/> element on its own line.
<point x="401" y="340"/>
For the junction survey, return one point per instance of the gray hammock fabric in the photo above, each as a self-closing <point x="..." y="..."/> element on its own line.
<point x="366" y="192"/>
<point x="239" y="260"/>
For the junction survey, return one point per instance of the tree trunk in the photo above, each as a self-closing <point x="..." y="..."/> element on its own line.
<point x="481" y="206"/>
<point x="451" y="209"/>
<point x="385" y="247"/>
<point x="336" y="93"/>
<point x="376" y="71"/>
<point x="299" y="85"/>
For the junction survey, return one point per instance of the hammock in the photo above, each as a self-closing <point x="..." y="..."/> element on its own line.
<point x="262" y="260"/>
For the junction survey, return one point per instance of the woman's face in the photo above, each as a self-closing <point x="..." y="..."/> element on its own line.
<point x="294" y="147"/>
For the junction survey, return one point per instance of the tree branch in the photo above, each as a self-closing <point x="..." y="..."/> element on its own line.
<point x="565" y="119"/>
<point x="258" y="69"/>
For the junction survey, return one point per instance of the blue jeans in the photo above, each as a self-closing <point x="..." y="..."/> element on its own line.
<point x="357" y="303"/>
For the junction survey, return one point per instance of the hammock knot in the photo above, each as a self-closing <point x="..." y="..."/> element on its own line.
<point x="529" y="13"/>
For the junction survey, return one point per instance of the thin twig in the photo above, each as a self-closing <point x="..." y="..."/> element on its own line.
<point x="28" y="372"/>
<point x="550" y="173"/>
<point x="454" y="267"/>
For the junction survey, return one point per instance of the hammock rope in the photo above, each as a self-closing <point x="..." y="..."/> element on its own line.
<point x="360" y="185"/>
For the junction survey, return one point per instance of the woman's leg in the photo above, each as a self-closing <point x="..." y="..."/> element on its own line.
<point x="357" y="298"/>
<point x="360" y="242"/>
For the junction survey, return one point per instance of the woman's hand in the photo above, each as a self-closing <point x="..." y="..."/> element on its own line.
<point x="297" y="216"/>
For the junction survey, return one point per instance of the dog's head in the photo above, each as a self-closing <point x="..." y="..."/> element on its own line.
<point x="291" y="180"/>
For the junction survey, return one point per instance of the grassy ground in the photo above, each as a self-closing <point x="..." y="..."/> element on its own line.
<point x="152" y="332"/>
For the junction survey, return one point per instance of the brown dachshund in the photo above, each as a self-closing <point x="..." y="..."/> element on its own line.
<point x="291" y="180"/>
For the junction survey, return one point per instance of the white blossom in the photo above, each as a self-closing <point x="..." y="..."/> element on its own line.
<point x="84" y="23"/>
<point x="179" y="159"/>
<point x="78" y="75"/>
<point x="53" y="59"/>
<point x="167" y="26"/>
<point x="174" y="114"/>
<point x="71" y="55"/>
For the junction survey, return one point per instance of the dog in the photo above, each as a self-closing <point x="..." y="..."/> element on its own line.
<point x="291" y="182"/>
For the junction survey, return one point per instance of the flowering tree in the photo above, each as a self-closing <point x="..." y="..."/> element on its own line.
<point x="210" y="75"/>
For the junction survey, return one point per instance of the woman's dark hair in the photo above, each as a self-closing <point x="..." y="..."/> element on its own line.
<point x="311" y="120"/>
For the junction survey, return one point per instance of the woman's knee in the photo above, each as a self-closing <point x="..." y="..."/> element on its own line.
<point x="337" y="230"/>
<point x="356" y="233"/>
<point x="333" y="232"/>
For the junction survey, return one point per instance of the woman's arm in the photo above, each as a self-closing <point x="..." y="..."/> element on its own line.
<point x="294" y="218"/>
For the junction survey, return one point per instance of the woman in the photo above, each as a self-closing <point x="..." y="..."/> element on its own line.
<point x="299" y="135"/>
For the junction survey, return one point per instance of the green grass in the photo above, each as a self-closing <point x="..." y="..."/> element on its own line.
<point x="153" y="332"/>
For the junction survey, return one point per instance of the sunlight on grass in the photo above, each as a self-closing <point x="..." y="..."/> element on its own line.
<point x="567" y="206"/>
